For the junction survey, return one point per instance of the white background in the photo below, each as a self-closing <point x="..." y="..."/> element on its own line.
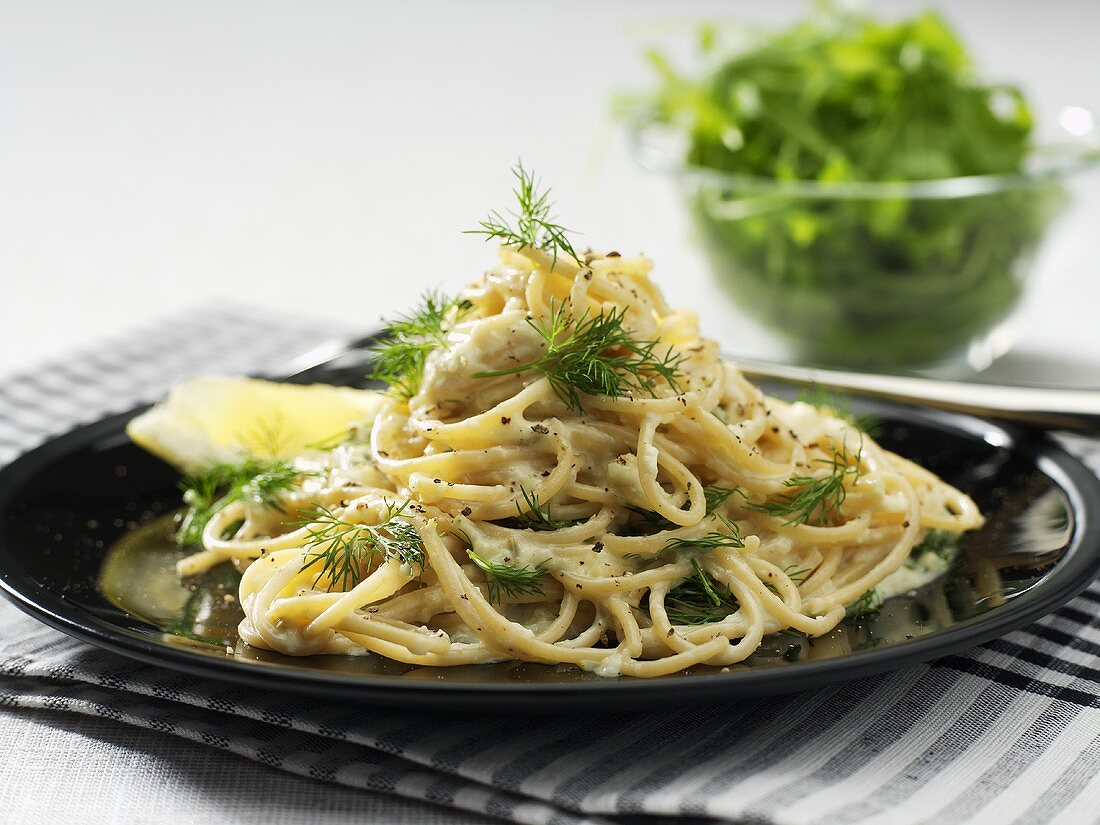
<point x="322" y="157"/>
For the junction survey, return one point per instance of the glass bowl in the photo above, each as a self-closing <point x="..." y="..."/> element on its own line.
<point x="879" y="275"/>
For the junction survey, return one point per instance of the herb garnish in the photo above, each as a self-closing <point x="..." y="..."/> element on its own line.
<point x="870" y="602"/>
<point x="816" y="497"/>
<point x="699" y="599"/>
<point x="507" y="580"/>
<point x="535" y="226"/>
<point x="713" y="540"/>
<point x="344" y="548"/>
<point x="538" y="515"/>
<point x="595" y="355"/>
<point x="714" y="495"/>
<point x="944" y="544"/>
<point x="798" y="575"/>
<point x="941" y="542"/>
<point x="709" y="541"/>
<point x="208" y="491"/>
<point x="403" y="347"/>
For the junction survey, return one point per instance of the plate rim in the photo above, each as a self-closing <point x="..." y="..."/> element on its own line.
<point x="1070" y="576"/>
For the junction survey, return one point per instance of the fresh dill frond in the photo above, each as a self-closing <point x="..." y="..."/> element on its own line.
<point x="699" y="599"/>
<point x="207" y="492"/>
<point x="404" y="345"/>
<point x="534" y="223"/>
<point x="595" y="355"/>
<point x="798" y="575"/>
<point x="200" y="494"/>
<point x="709" y="541"/>
<point x="839" y="404"/>
<point x="268" y="486"/>
<point x="538" y="515"/>
<point x="870" y="602"/>
<point x="648" y="521"/>
<point x="713" y="540"/>
<point x="343" y="548"/>
<point x="652" y="522"/>
<point x="716" y="496"/>
<point x="816" y="497"/>
<point x="232" y="529"/>
<point x="941" y="542"/>
<point x="507" y="580"/>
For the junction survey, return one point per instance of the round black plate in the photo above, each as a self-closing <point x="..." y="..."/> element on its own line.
<point x="64" y="504"/>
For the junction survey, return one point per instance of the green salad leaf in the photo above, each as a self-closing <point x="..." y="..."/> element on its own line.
<point x="845" y="98"/>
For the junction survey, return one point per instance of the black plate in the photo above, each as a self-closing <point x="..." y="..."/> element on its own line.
<point x="65" y="504"/>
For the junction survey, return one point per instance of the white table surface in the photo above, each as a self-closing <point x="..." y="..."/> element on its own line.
<point x="324" y="156"/>
<point x="327" y="155"/>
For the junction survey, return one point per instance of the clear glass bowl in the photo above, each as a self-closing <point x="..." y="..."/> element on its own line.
<point x="878" y="275"/>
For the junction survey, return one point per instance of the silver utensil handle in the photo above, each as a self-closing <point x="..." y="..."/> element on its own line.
<point x="1073" y="410"/>
<point x="1068" y="409"/>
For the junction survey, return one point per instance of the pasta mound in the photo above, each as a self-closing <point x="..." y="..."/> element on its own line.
<point x="502" y="512"/>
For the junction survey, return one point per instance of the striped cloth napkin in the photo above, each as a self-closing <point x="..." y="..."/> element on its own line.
<point x="1005" y="733"/>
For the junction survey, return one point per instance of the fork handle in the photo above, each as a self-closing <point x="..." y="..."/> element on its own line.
<point x="1067" y="409"/>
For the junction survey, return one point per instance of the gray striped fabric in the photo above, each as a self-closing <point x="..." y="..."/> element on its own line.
<point x="1008" y="732"/>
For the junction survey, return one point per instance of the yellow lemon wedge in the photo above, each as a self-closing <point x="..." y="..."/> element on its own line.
<point x="210" y="419"/>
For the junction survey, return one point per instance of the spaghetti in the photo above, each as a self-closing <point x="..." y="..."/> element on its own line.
<point x="496" y="508"/>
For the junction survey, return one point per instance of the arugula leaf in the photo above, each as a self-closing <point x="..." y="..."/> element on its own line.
<point x="843" y="98"/>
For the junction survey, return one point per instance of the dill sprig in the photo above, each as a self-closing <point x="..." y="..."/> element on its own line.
<point x="648" y="521"/>
<point x="699" y="599"/>
<point x="538" y="515"/>
<point x="507" y="580"/>
<point x="870" y="602"/>
<point x="716" y="496"/>
<point x="343" y="548"/>
<point x="267" y="487"/>
<point x="535" y="225"/>
<point x="816" y="497"/>
<point x="798" y="575"/>
<point x="404" y="345"/>
<point x="651" y="521"/>
<point x="708" y="541"/>
<point x="595" y="355"/>
<point x="208" y="491"/>
<point x="941" y="542"/>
